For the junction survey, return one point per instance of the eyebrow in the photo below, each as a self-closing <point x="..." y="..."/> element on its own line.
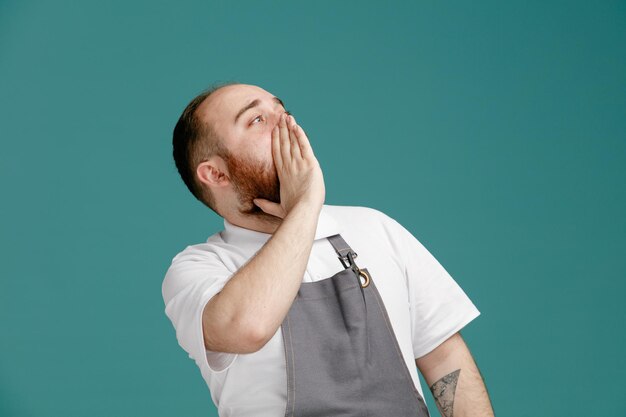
<point x="255" y="103"/>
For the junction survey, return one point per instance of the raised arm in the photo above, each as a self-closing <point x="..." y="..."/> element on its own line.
<point x="246" y="313"/>
<point x="455" y="380"/>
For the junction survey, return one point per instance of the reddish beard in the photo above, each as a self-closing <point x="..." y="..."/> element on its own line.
<point x="253" y="179"/>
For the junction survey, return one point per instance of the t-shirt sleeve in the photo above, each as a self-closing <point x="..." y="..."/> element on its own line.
<point x="438" y="306"/>
<point x="193" y="278"/>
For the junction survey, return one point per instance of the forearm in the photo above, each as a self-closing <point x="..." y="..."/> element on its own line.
<point x="455" y="380"/>
<point x="254" y="302"/>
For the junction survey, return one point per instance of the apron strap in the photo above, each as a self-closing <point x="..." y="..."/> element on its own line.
<point x="346" y="256"/>
<point x="343" y="250"/>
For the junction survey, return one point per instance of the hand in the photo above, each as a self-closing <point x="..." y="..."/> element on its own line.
<point x="299" y="173"/>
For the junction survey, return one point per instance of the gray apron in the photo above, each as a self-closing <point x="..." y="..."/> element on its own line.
<point x="343" y="358"/>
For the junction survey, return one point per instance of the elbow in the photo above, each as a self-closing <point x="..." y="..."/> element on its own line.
<point x="234" y="335"/>
<point x="253" y="333"/>
<point x="255" y="338"/>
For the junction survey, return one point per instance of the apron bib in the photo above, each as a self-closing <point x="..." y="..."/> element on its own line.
<point x="343" y="358"/>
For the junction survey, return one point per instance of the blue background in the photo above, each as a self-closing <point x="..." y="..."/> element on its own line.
<point x="494" y="131"/>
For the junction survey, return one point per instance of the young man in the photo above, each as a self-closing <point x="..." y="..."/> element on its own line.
<point x="300" y="308"/>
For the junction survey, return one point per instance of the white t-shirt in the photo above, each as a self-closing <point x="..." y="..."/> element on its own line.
<point x="425" y="305"/>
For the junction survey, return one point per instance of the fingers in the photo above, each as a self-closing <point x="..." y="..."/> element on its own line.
<point x="289" y="142"/>
<point x="295" y="146"/>
<point x="285" y="145"/>
<point x="305" y="147"/>
<point x="276" y="154"/>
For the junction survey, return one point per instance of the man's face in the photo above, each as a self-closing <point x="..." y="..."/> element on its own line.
<point x="244" y="116"/>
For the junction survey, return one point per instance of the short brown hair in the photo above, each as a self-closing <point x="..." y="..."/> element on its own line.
<point x="195" y="141"/>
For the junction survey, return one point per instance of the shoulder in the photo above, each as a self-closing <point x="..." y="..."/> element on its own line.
<point x="205" y="251"/>
<point x="195" y="263"/>
<point x="361" y="216"/>
<point x="356" y="214"/>
<point x="367" y="221"/>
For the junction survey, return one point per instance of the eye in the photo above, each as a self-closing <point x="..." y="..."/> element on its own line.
<point x="260" y="117"/>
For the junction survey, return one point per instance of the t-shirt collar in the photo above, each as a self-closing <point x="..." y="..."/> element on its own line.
<point x="326" y="226"/>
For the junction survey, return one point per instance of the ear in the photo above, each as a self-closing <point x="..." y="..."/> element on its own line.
<point x="213" y="172"/>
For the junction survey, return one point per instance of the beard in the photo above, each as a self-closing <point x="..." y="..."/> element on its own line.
<point x="253" y="179"/>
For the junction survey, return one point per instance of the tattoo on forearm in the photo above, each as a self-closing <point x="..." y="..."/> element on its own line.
<point x="443" y="391"/>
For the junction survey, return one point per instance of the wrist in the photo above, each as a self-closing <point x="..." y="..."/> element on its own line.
<point x="309" y="206"/>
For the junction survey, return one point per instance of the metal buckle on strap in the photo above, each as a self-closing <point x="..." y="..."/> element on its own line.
<point x="350" y="256"/>
<point x="351" y="264"/>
